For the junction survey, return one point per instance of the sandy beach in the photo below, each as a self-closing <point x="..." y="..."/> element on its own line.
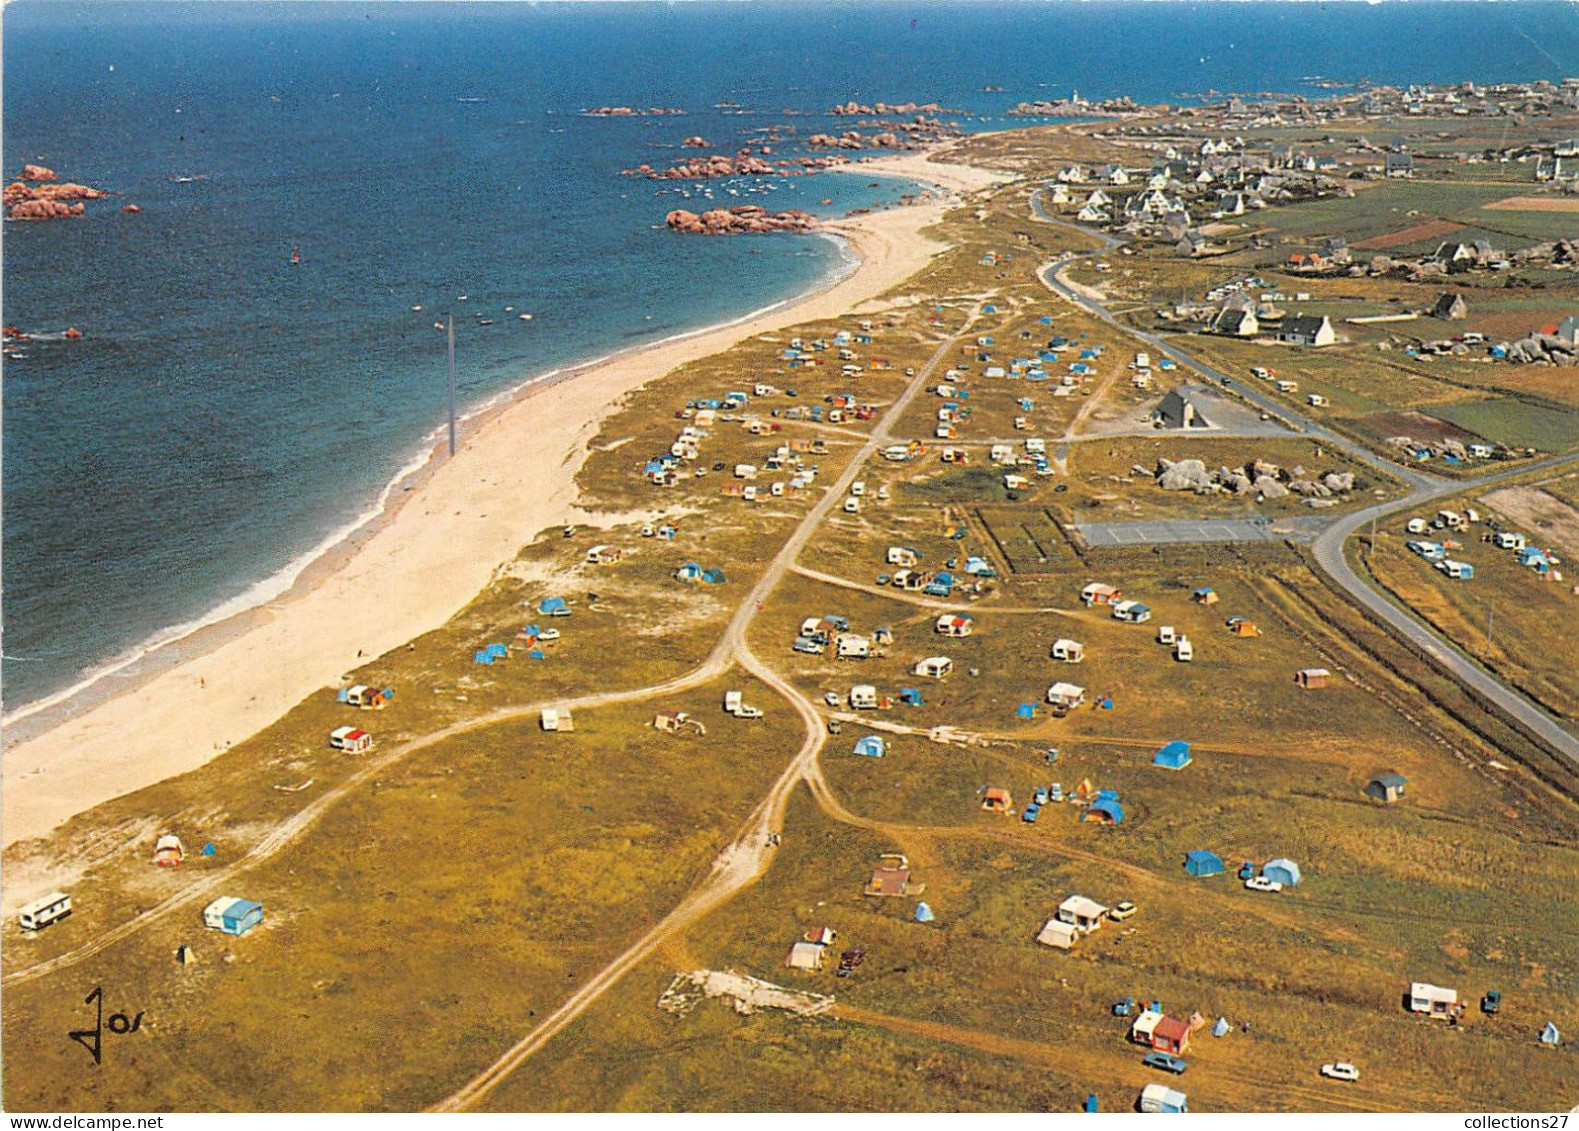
<point x="513" y="477"/>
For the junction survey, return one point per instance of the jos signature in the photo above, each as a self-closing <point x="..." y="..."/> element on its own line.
<point x="93" y="1039"/>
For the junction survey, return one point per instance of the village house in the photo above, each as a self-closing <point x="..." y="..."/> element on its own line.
<point x="1177" y="410"/>
<point x="1307" y="330"/>
<point x="1450" y="306"/>
<point x="1236" y="322"/>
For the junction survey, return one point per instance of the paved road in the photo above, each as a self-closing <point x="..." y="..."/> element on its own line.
<point x="1423" y="487"/>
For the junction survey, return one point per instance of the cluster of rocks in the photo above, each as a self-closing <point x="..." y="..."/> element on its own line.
<point x="1259" y="478"/>
<point x="1542" y="349"/>
<point x="630" y="112"/>
<point x="742" y="164"/>
<point x="39" y="201"/>
<point x="1075" y="107"/>
<point x="884" y="109"/>
<point x="742" y="219"/>
<point x="695" y="142"/>
<point x="917" y="133"/>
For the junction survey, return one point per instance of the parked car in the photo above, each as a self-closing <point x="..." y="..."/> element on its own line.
<point x="1166" y="1061"/>
<point x="831" y="698"/>
<point x="1342" y="1070"/>
<point x="1040" y="796"/>
<point x="1261" y="883"/>
<point x="1123" y="911"/>
<point x="1030" y="813"/>
<point x="1492" y="1002"/>
<point x="1055" y="792"/>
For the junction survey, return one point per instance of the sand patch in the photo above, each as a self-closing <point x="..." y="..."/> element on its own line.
<point x="1534" y="204"/>
<point x="1552" y="519"/>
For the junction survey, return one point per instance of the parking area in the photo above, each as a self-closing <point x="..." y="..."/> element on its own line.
<point x="1301" y="529"/>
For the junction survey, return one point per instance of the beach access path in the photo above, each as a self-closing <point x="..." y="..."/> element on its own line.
<point x="513" y="477"/>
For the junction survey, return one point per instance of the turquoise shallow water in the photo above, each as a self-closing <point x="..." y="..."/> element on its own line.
<point x="229" y="411"/>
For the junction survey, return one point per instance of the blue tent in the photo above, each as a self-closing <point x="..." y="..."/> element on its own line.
<point x="713" y="576"/>
<point x="1281" y="870"/>
<point x="924" y="913"/>
<point x="1221" y="1028"/>
<point x="1025" y="711"/>
<point x="1550" y="1035"/>
<point x="536" y="654"/>
<point x="553" y="607"/>
<point x="1105" y="811"/>
<point x="498" y="651"/>
<point x="533" y="630"/>
<point x="690" y="571"/>
<point x="1202" y="863"/>
<point x="1174" y="756"/>
<point x="910" y="697"/>
<point x="979" y="567"/>
<point x="1091" y="1102"/>
<point x="209" y="849"/>
<point x="872" y="746"/>
<point x="1106" y="795"/>
<point x="989" y="309"/>
<point x="1046" y="320"/>
<point x="482" y="658"/>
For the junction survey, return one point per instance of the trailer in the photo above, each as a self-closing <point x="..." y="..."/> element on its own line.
<point x="1161" y="1098"/>
<point x="44" y="911"/>
<point x="353" y="740"/>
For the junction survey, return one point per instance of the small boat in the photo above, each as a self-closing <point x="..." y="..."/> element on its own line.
<point x="526" y="318"/>
<point x="485" y="321"/>
<point x="296" y="256"/>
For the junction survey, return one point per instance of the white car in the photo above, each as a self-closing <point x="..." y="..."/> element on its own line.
<point x="1340" y="1071"/>
<point x="1261" y="883"/>
<point x="831" y="698"/>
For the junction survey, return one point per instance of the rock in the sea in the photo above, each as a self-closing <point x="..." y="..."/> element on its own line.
<point x="742" y="218"/>
<point x="37" y="173"/>
<point x="695" y="142"/>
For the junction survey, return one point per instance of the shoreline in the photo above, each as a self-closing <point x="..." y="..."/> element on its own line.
<point x="169" y="647"/>
<point x="404" y="570"/>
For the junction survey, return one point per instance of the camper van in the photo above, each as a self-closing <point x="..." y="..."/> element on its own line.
<point x="852" y="505"/>
<point x="1183" y="650"/>
<point x="863" y="696"/>
<point x="43" y="911"/>
<point x="1288" y="386"/>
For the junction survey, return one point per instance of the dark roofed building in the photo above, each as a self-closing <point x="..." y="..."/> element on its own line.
<point x="1177" y="410"/>
<point x="1387" y="787"/>
<point x="1451" y="306"/>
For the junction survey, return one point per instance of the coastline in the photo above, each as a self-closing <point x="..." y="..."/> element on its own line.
<point x="445" y="527"/>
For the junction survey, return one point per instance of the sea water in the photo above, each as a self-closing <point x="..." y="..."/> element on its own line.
<point x="232" y="412"/>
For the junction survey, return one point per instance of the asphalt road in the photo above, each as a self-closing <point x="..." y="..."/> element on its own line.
<point x="1423" y="488"/>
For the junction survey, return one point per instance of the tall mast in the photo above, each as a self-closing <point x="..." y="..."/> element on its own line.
<point x="451" y="328"/>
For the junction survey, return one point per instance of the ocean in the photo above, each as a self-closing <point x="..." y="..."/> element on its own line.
<point x="229" y="413"/>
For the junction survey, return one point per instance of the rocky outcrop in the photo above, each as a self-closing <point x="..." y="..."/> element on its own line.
<point x="1542" y="349"/>
<point x="742" y="164"/>
<point x="37" y="173"/>
<point x="884" y="109"/>
<point x="742" y="219"/>
<point x="630" y="112"/>
<point x="697" y="143"/>
<point x="1258" y="478"/>
<point x="1185" y="475"/>
<point x="47" y="202"/>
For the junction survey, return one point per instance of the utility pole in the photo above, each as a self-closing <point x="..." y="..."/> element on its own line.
<point x="450" y="326"/>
